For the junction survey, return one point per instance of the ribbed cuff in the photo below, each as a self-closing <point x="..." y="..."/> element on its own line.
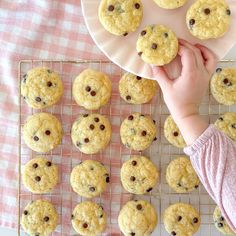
<point x="199" y="142"/>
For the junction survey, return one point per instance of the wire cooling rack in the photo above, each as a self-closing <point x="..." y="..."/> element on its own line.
<point x="66" y="156"/>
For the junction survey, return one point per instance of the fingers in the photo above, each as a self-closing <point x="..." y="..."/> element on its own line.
<point x="161" y="76"/>
<point x="196" y="51"/>
<point x="188" y="59"/>
<point x="209" y="57"/>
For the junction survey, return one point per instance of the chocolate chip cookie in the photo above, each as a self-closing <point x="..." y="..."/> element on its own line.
<point x="89" y="178"/>
<point x="137" y="90"/>
<point x="92" y="89"/>
<point x="91" y="133"/>
<point x="41" y="87"/>
<point x="137" y="218"/>
<point x="139" y="175"/>
<point x="138" y="131"/>
<point x="42" y="132"/>
<point x="157" y="45"/>
<point x="40" y="175"/>
<point x="120" y="17"/>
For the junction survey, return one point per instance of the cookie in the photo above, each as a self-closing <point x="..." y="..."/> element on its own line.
<point x="137" y="90"/>
<point x="181" y="219"/>
<point x="39" y="218"/>
<point x="137" y="218"/>
<point x="181" y="176"/>
<point x="91" y="133"/>
<point x="208" y="19"/>
<point x="227" y="124"/>
<point x="89" y="178"/>
<point x="88" y="219"/>
<point x="157" y="45"/>
<point x="92" y="89"/>
<point x="42" y="132"/>
<point x="223" y="86"/>
<point x="41" y="87"/>
<point x="172" y="133"/>
<point x="138" y="131"/>
<point x="139" y="175"/>
<point x="120" y="17"/>
<point x="40" y="175"/>
<point x="170" y="4"/>
<point x="220" y="222"/>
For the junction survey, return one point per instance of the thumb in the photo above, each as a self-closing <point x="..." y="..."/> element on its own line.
<point x="161" y="76"/>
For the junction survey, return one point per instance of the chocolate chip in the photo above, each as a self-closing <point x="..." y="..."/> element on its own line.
<point x="107" y="179"/>
<point x="128" y="97"/>
<point x="175" y="133"/>
<point x="233" y="126"/>
<point x="195" y="220"/>
<point x="132" y="178"/>
<point x="36" y="138"/>
<point x="228" y="12"/>
<point x="47" y="132"/>
<point x="93" y="93"/>
<point x="88" y="89"/>
<point x="179" y="218"/>
<point x="130" y="117"/>
<point x="220" y="118"/>
<point x="139" y="207"/>
<point x="143" y="32"/>
<point x="37" y="178"/>
<point x="85" y="225"/>
<point x="207" y="11"/>
<point x="218" y="70"/>
<point x="154" y="121"/>
<point x="25" y="212"/>
<point x="222" y="218"/>
<point x="49" y="83"/>
<point x="86" y="140"/>
<point x="173" y="233"/>
<point x="85" y="115"/>
<point x="25" y="76"/>
<point x="134" y="163"/>
<point x="155" y="139"/>
<point x="132" y="234"/>
<point x="137" y="5"/>
<point x="111" y="8"/>
<point x="72" y="216"/>
<point x="179" y="185"/>
<point x="125" y="34"/>
<point x="138" y="77"/>
<point x="38" y="99"/>
<point x="149" y="190"/>
<point x="220" y="225"/>
<point x="36" y="235"/>
<point x="102" y="127"/>
<point x="140" y="54"/>
<point x="78" y="144"/>
<point x="144" y="133"/>
<point x="91" y="126"/>
<point x="196" y="186"/>
<point x="101" y="216"/>
<point x="154" y="46"/>
<point x="142" y="115"/>
<point x="226" y="81"/>
<point x="192" y="22"/>
<point x="46" y="218"/>
<point x="35" y="165"/>
<point x="49" y="71"/>
<point x="91" y="189"/>
<point x="166" y="35"/>
<point x="48" y="163"/>
<point x="96" y="119"/>
<point x="24" y="97"/>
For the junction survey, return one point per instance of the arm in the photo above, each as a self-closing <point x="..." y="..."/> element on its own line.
<point x="211" y="152"/>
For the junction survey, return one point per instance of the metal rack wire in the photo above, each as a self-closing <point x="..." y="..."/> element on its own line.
<point x="66" y="156"/>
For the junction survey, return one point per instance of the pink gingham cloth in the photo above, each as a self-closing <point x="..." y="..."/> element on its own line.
<point x="41" y="29"/>
<point x="213" y="156"/>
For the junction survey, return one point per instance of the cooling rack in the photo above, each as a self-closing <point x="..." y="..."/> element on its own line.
<point x="66" y="156"/>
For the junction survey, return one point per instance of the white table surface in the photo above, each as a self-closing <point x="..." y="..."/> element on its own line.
<point x="10" y="232"/>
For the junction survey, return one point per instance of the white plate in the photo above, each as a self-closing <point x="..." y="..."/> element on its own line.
<point x="122" y="50"/>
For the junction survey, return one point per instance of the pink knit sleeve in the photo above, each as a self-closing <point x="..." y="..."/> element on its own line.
<point x="213" y="156"/>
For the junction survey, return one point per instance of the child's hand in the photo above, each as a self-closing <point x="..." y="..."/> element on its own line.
<point x="184" y="94"/>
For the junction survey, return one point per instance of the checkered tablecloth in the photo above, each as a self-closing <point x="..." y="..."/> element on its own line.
<point x="31" y="29"/>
